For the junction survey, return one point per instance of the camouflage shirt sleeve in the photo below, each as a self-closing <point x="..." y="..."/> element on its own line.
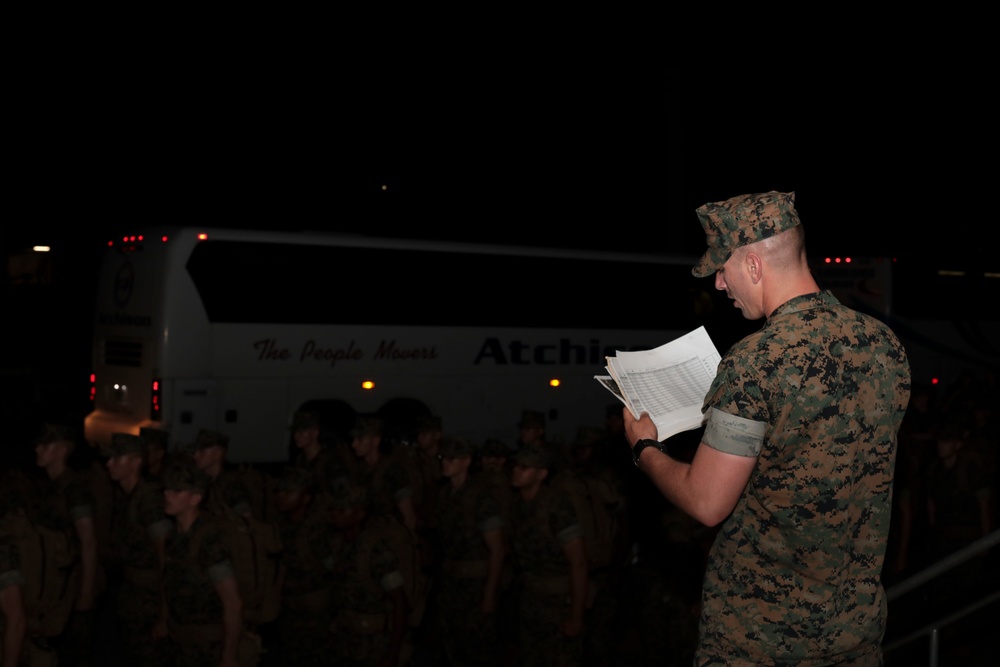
<point x="384" y="567"/>
<point x="488" y="515"/>
<point x="79" y="499"/>
<point x="398" y="482"/>
<point x="563" y="520"/>
<point x="10" y="566"/>
<point x="212" y="555"/>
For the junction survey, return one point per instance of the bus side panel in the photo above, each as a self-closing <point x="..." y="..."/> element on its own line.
<point x="254" y="413"/>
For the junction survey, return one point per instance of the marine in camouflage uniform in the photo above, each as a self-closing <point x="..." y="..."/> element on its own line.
<point x="550" y="563"/>
<point x="140" y="528"/>
<point x="369" y="599"/>
<point x="13" y="624"/>
<point x="303" y="624"/>
<point x="392" y="483"/>
<point x="226" y="488"/>
<point x="802" y="421"/>
<point x="471" y="529"/>
<point x="325" y="461"/>
<point x="203" y="603"/>
<point x="67" y="504"/>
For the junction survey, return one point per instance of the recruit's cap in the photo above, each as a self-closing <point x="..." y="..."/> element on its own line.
<point x="367" y="425"/>
<point x="127" y="443"/>
<point x="534" y="456"/>
<point x="346" y="493"/>
<point x="51" y="432"/>
<point x="531" y="418"/>
<point x="494" y="447"/>
<point x="182" y="474"/>
<point x="293" y="478"/>
<point x="154" y="437"/>
<point x="740" y="221"/>
<point x="586" y="436"/>
<point x="207" y="438"/>
<point x="428" y="423"/>
<point x="456" y="447"/>
<point x="304" y="419"/>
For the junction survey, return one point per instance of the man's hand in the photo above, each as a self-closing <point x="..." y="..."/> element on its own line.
<point x="642" y="428"/>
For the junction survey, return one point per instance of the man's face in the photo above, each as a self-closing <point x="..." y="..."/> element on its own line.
<point x="522" y="476"/>
<point x="47" y="453"/>
<point x="452" y="465"/>
<point x="305" y="437"/>
<point x="734" y="278"/>
<point x="363" y="445"/>
<point x="176" y="501"/>
<point x="207" y="456"/>
<point x="120" y="466"/>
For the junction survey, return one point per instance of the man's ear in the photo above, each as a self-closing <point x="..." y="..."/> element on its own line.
<point x="754" y="267"/>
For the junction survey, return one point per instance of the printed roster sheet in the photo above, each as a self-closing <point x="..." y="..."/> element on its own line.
<point x="668" y="382"/>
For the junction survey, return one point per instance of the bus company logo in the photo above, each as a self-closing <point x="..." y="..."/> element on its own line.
<point x="124" y="284"/>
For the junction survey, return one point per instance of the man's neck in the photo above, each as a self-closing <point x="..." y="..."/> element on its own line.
<point x="55" y="469"/>
<point x="529" y="492"/>
<point x="186" y="519"/>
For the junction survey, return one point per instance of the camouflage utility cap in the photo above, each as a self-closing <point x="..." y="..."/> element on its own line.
<point x="495" y="448"/>
<point x="428" y="423"/>
<point x="586" y="436"/>
<point x="49" y="433"/>
<point x="455" y="447"/>
<point x="304" y="419"/>
<point x="740" y="221"/>
<point x="534" y="456"/>
<point x="345" y="494"/>
<point x="207" y="438"/>
<point x="123" y="444"/>
<point x="154" y="437"/>
<point x="184" y="475"/>
<point x="366" y="425"/>
<point x="293" y="478"/>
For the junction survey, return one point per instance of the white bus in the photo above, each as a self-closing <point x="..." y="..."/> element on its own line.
<point x="235" y="330"/>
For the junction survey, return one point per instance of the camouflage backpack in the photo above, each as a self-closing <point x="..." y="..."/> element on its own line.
<point x="51" y="581"/>
<point x="398" y="538"/>
<point x="255" y="547"/>
<point x="593" y="500"/>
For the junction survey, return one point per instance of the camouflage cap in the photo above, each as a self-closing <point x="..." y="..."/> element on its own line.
<point x="345" y="493"/>
<point x="531" y="418"/>
<point x="304" y="419"/>
<point x="366" y="425"/>
<point x="950" y="431"/>
<point x="456" y="447"/>
<point x="586" y="436"/>
<point x="428" y="423"/>
<point x="534" y="456"/>
<point x="51" y="432"/>
<point x="207" y="438"/>
<point x="154" y="437"/>
<point x="494" y="448"/>
<point x="183" y="475"/>
<point x="123" y="444"/>
<point x="293" y="478"/>
<point x="740" y="221"/>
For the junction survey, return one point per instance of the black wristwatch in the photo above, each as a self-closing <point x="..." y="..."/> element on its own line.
<point x="641" y="445"/>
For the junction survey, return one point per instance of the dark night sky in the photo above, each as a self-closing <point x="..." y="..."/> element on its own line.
<point x="581" y="154"/>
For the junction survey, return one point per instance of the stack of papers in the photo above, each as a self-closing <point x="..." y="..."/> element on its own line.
<point x="669" y="382"/>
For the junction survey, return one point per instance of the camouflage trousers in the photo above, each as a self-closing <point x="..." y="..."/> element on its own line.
<point x="541" y="642"/>
<point x="304" y="637"/>
<point x="469" y="636"/>
<point x="137" y="610"/>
